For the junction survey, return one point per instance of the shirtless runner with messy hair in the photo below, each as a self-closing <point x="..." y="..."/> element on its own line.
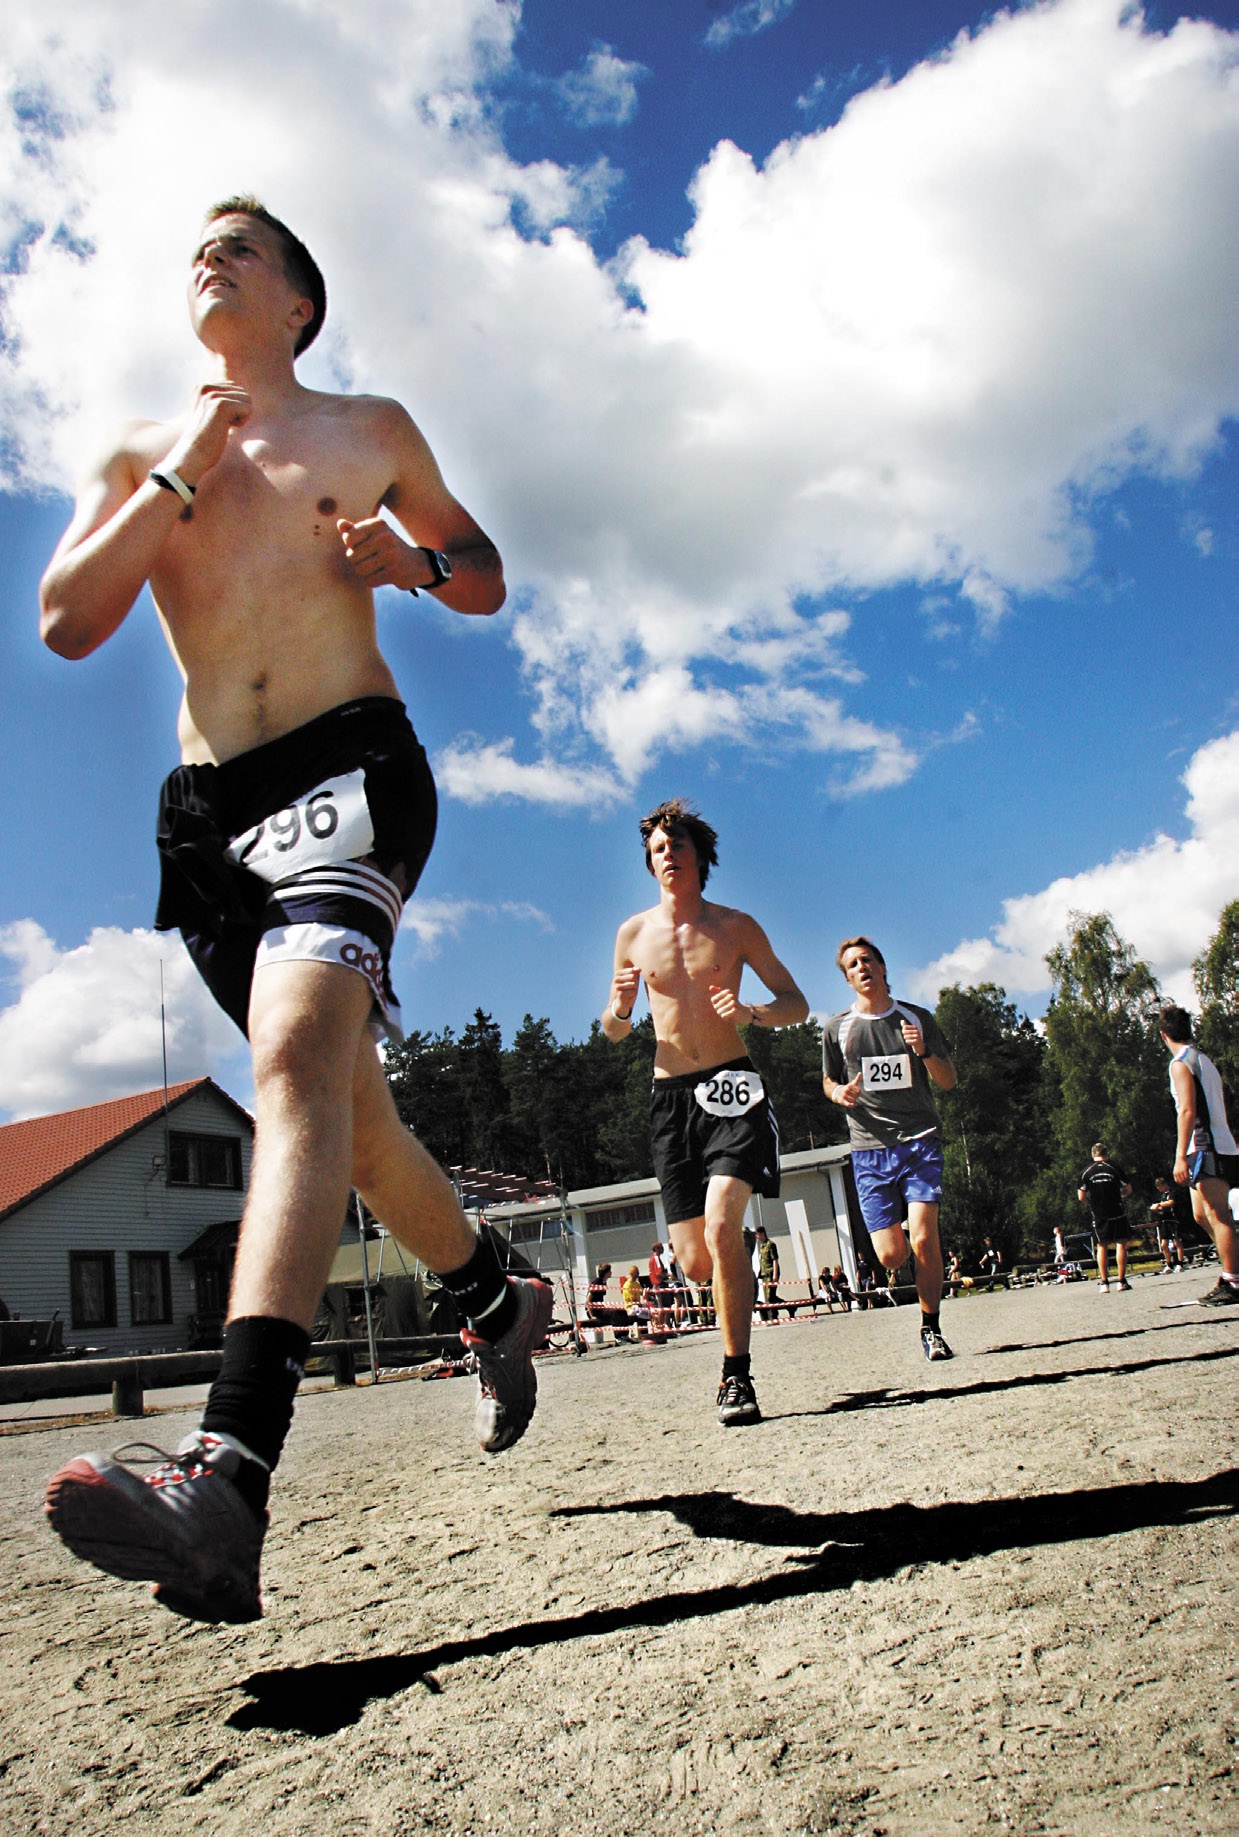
<point x="714" y="1134"/>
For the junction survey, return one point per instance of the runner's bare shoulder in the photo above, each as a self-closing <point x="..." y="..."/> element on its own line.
<point x="114" y="473"/>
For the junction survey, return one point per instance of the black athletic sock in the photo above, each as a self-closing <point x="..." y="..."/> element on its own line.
<point x="482" y="1292"/>
<point x="930" y="1320"/>
<point x="736" y="1365"/>
<point x="252" y="1398"/>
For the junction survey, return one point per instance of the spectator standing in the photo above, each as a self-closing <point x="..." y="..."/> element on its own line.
<point x="1103" y="1188"/>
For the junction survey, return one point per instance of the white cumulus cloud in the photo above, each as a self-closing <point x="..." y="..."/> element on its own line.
<point x="1165" y="898"/>
<point x="433" y="920"/>
<point x="478" y="772"/>
<point x="603" y="92"/>
<point x="85" y="1025"/>
<point x="916" y="346"/>
<point x="743" y="20"/>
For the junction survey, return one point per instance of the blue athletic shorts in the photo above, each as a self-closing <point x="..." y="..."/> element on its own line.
<point x="1207" y="1164"/>
<point x="888" y="1180"/>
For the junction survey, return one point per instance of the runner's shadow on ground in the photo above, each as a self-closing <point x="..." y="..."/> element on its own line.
<point x="841" y="1548"/>
<point x="985" y="1387"/>
<point x="1092" y="1339"/>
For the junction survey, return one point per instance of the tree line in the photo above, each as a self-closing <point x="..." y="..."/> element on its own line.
<point x="1017" y="1128"/>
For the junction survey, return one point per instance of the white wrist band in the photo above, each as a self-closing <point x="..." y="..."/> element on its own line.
<point x="172" y="481"/>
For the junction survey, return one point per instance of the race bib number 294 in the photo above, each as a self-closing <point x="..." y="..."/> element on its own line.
<point x="888" y="1071"/>
<point x="730" y="1093"/>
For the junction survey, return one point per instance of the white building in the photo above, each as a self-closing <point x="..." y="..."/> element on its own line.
<point x="814" y="1223"/>
<point x="119" y="1220"/>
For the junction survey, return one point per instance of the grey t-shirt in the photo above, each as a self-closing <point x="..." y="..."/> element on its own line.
<point x="895" y="1104"/>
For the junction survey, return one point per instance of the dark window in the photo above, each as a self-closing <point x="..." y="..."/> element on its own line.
<point x="150" y="1288"/>
<point x="611" y="1217"/>
<point x="536" y="1230"/>
<point x="204" y="1160"/>
<point x="92" y="1288"/>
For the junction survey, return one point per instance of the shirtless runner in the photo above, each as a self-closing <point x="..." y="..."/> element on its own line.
<point x="714" y="1135"/>
<point x="295" y="828"/>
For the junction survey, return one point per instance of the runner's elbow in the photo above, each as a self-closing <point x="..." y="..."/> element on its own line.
<point x="63" y="632"/>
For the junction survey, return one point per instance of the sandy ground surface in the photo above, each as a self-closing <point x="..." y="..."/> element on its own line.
<point x="990" y="1595"/>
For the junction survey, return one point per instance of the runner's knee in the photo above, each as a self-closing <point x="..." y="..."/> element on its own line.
<point x="894" y="1250"/>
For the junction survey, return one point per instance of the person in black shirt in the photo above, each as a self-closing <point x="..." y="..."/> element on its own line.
<point x="1103" y="1188"/>
<point x="1170" y="1211"/>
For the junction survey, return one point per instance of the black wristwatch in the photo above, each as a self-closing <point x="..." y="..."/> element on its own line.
<point x="440" y="564"/>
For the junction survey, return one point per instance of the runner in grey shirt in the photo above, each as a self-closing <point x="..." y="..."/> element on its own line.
<point x="879" y="1057"/>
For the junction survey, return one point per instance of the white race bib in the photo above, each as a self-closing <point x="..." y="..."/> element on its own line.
<point x="729" y="1093"/>
<point x="330" y="823"/>
<point x="888" y="1071"/>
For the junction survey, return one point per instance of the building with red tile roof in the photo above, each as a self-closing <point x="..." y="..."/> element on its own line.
<point x="99" y="1205"/>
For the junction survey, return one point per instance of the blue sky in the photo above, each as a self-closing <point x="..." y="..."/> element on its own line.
<point x="853" y="401"/>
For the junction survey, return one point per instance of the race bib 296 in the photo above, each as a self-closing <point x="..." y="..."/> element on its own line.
<point x="330" y="823"/>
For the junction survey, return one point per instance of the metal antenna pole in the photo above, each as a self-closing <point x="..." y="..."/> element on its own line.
<point x="365" y="1288"/>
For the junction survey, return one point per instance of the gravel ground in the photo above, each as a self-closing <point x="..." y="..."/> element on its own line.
<point x="994" y="1594"/>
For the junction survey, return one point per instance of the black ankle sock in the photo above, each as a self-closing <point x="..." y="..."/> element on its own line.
<point x="482" y="1292"/>
<point x="252" y="1398"/>
<point x="931" y="1320"/>
<point x="737" y="1365"/>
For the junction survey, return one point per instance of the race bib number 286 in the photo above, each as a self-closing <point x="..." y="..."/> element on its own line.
<point x="730" y="1093"/>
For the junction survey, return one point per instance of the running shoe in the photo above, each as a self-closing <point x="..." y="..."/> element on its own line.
<point x="507" y="1382"/>
<point x="1103" y="1288"/>
<point x="1224" y="1295"/>
<point x="737" y="1403"/>
<point x="183" y="1525"/>
<point x="934" y="1346"/>
<point x="1123" y="1283"/>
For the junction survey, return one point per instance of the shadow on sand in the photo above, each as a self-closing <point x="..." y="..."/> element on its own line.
<point x="320" y="1699"/>
<point x="984" y="1387"/>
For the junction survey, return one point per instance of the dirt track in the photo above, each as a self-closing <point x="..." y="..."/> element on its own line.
<point x="996" y="1594"/>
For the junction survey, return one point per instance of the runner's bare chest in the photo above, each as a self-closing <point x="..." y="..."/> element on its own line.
<point x="266" y="512"/>
<point x="681" y="962"/>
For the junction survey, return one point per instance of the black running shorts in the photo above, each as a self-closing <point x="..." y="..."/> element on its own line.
<point x="713" y="1122"/>
<point x="303" y="848"/>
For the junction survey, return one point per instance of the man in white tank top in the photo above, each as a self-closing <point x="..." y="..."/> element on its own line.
<point x="1206" y="1158"/>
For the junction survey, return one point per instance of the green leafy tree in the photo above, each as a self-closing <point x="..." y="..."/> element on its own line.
<point x="423" y="1073"/>
<point x="1216" y="976"/>
<point x="994" y="1128"/>
<point x="790" y="1062"/>
<point x="1107" y="1067"/>
<point x="623" y="1127"/>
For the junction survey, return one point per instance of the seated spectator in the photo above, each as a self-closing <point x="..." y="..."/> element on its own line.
<point x="632" y="1294"/>
<point x="597" y="1310"/>
<point x="841" y="1288"/>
